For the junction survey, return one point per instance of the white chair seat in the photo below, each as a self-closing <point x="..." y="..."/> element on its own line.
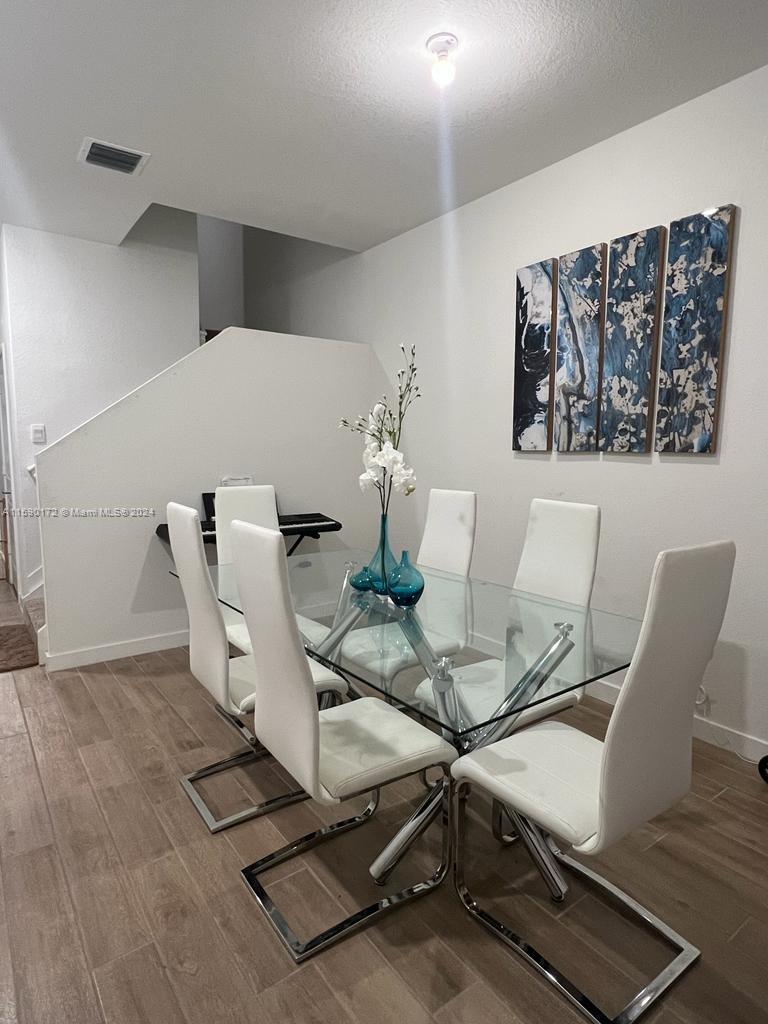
<point x="237" y="633"/>
<point x="366" y="743"/>
<point x="384" y="651"/>
<point x="243" y="682"/>
<point x="549" y="772"/>
<point x="238" y="637"/>
<point x="381" y="650"/>
<point x="483" y="687"/>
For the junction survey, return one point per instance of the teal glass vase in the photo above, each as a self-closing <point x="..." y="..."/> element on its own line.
<point x="382" y="560"/>
<point x="362" y="580"/>
<point x="406" y="584"/>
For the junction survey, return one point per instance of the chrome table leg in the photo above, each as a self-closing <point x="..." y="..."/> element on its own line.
<point x="498" y="814"/>
<point x="449" y="710"/>
<point x="407" y="835"/>
<point x="541" y="855"/>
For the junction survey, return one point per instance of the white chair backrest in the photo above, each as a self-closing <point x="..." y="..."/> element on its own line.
<point x="208" y="646"/>
<point x="532" y="629"/>
<point x="255" y="504"/>
<point x="449" y="532"/>
<point x="285" y="712"/>
<point x="560" y="551"/>
<point x="446" y="606"/>
<point x="646" y="765"/>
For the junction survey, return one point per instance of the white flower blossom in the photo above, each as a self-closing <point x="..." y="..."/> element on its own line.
<point x="368" y="481"/>
<point x="384" y="465"/>
<point x="404" y="479"/>
<point x="373" y="471"/>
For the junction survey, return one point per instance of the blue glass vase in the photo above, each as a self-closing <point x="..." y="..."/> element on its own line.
<point x="406" y="584"/>
<point x="362" y="580"/>
<point x="382" y="560"/>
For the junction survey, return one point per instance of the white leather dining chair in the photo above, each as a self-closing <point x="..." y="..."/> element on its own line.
<point x="448" y="539"/>
<point x="230" y="681"/>
<point x="590" y="794"/>
<point x="382" y="651"/>
<point x="335" y="754"/>
<point x="557" y="562"/>
<point x="254" y="503"/>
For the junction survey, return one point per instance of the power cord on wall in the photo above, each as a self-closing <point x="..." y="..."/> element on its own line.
<point x="703" y="702"/>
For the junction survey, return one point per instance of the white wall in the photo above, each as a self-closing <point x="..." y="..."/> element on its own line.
<point x="274" y="266"/>
<point x="448" y="286"/>
<point x="84" y="323"/>
<point x="248" y="402"/>
<point x="220" y="262"/>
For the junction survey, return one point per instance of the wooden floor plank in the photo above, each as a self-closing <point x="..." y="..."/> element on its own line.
<point x="144" y="751"/>
<point x="106" y="764"/>
<point x="135" y="827"/>
<point x="303" y="998"/>
<point x="131" y="886"/>
<point x="423" y="960"/>
<point x="24" y="822"/>
<point x="58" y="759"/>
<point x="108" y="696"/>
<point x="83" y="717"/>
<point x="52" y="978"/>
<point x="208" y="982"/>
<point x="8" y="1014"/>
<point x="737" y="775"/>
<point x="11" y="717"/>
<point x="109" y="916"/>
<point x="135" y="989"/>
<point x="191" y="702"/>
<point x="475" y="1004"/>
<point x="368" y="988"/>
<point x="32" y="685"/>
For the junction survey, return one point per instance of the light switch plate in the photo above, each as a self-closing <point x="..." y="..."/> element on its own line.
<point x="37" y="433"/>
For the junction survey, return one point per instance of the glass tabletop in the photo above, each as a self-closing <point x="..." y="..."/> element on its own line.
<point x="471" y="655"/>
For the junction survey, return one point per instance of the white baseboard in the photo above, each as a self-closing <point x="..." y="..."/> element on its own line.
<point x="109" y="652"/>
<point x="42" y="644"/>
<point x="718" y="735"/>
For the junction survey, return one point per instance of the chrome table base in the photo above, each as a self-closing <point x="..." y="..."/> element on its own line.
<point x="449" y="709"/>
<point x="440" y="798"/>
<point x="687" y="954"/>
<point x="302" y="950"/>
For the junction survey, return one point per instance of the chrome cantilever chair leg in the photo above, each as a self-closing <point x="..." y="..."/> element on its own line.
<point x="302" y="950"/>
<point x="253" y="752"/>
<point x="687" y="954"/>
<point x="498" y="813"/>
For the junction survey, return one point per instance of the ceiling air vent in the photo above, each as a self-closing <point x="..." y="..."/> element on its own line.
<point x="114" y="158"/>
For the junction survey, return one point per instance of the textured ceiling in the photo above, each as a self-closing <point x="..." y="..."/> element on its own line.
<point x="318" y="118"/>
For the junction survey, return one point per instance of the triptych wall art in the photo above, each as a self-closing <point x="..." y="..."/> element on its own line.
<point x="587" y="342"/>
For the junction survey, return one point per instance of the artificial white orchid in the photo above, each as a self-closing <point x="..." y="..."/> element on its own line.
<point x="384" y="464"/>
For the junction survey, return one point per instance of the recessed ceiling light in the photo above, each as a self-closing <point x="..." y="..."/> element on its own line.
<point x="442" y="46"/>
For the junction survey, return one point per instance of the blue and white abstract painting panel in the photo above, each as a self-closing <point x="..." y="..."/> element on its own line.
<point x="533" y="358"/>
<point x="692" y="338"/>
<point x="577" y="374"/>
<point x="629" y="346"/>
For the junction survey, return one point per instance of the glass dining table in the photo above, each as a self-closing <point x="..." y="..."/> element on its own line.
<point x="470" y="657"/>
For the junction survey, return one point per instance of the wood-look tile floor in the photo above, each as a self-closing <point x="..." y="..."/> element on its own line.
<point x="117" y="906"/>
